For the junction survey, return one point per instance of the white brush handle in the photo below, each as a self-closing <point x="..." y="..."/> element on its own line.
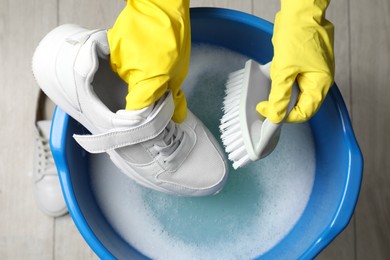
<point x="270" y="131"/>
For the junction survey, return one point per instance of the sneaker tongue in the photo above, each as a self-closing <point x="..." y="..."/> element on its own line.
<point x="44" y="128"/>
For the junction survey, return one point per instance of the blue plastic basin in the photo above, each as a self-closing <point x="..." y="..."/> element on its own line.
<point x="339" y="162"/>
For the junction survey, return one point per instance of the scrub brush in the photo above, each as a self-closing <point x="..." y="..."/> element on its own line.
<point x="246" y="135"/>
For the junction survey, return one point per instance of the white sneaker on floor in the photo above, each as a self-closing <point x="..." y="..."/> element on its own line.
<point x="183" y="159"/>
<point x="47" y="187"/>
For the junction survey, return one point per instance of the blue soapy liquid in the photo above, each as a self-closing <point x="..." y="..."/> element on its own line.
<point x="255" y="210"/>
<point x="205" y="83"/>
<point x="207" y="220"/>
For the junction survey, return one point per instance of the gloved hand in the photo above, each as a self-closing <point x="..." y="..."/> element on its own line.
<point x="303" y="51"/>
<point x="150" y="50"/>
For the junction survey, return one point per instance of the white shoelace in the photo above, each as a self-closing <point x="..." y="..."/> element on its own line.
<point x="45" y="158"/>
<point x="171" y="137"/>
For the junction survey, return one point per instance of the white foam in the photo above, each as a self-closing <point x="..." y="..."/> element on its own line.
<point x="257" y="208"/>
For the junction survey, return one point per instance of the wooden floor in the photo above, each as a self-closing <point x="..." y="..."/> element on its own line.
<point x="362" y="47"/>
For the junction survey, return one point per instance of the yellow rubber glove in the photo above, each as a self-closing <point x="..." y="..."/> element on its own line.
<point x="150" y="50"/>
<point x="303" y="51"/>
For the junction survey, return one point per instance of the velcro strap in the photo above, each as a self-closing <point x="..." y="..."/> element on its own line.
<point x="100" y="143"/>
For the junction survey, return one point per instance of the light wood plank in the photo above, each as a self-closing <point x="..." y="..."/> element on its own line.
<point x="266" y="9"/>
<point x="338" y="14"/>
<point x="90" y="13"/>
<point x="370" y="67"/>
<point x="25" y="232"/>
<point x="343" y="247"/>
<point x="69" y="244"/>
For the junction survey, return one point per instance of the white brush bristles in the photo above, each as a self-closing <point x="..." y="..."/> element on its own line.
<point x="230" y="122"/>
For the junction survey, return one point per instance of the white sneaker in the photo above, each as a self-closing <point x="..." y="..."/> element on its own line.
<point x="146" y="145"/>
<point x="47" y="187"/>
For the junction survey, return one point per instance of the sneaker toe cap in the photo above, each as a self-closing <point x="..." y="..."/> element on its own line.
<point x="204" y="171"/>
<point x="49" y="196"/>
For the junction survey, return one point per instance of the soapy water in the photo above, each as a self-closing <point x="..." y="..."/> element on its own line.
<point x="258" y="206"/>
